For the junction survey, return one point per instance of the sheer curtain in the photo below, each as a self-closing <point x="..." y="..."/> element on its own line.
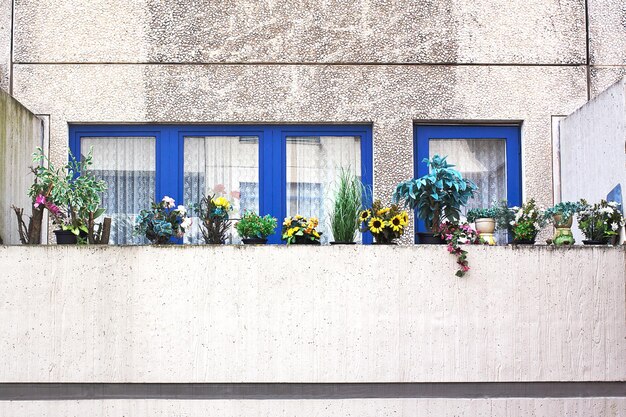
<point x="313" y="165"/>
<point x="128" y="166"/>
<point x="226" y="166"/>
<point x="482" y="161"/>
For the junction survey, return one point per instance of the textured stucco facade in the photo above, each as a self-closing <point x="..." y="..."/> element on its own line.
<point x="390" y="64"/>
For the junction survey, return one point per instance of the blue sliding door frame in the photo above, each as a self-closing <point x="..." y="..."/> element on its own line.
<point x="422" y="134"/>
<point x="272" y="155"/>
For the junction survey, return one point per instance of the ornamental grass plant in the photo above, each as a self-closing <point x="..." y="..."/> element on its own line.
<point x="347" y="204"/>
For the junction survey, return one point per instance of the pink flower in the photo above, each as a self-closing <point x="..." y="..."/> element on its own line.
<point x="235" y="194"/>
<point x="219" y="188"/>
<point x="450" y="248"/>
<point x="465" y="268"/>
<point x="448" y="237"/>
<point x="53" y="208"/>
<point x="41" y="199"/>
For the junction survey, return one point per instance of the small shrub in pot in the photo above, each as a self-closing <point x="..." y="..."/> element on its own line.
<point x="254" y="229"/>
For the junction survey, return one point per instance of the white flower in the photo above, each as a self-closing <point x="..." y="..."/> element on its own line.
<point x="186" y="222"/>
<point x="512" y="223"/>
<point x="612" y="204"/>
<point x="182" y="210"/>
<point x="614" y="227"/>
<point x="169" y="202"/>
<point x="606" y="210"/>
<point x="536" y="225"/>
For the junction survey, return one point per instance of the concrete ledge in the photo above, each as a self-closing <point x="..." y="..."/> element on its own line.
<point x="199" y="314"/>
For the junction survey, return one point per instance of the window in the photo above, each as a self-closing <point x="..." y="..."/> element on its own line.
<point x="488" y="155"/>
<point x="280" y="170"/>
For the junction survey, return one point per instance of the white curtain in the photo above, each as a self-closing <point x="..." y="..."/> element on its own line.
<point x="226" y="166"/>
<point x="128" y="166"/>
<point x="313" y="166"/>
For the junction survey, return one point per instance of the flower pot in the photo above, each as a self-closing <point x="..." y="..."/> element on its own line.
<point x="385" y="243"/>
<point x="429" y="238"/>
<point x="65" y="237"/>
<point x="343" y="243"/>
<point x="254" y="241"/>
<point x="595" y="242"/>
<point x="301" y="240"/>
<point x="524" y="242"/>
<point x="486" y="226"/>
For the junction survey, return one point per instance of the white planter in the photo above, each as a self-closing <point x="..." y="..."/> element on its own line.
<point x="486" y="227"/>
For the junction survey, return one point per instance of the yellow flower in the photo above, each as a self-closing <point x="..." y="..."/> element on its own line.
<point x="287" y="221"/>
<point x="222" y="202"/>
<point x="376" y="225"/>
<point x="382" y="211"/>
<point x="396" y="223"/>
<point x="315" y="233"/>
<point x="314" y="221"/>
<point x="291" y="231"/>
<point x="365" y="214"/>
<point x="297" y="217"/>
<point x="405" y="218"/>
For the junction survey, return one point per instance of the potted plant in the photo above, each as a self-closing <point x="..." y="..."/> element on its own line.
<point x="72" y="196"/>
<point x="214" y="218"/>
<point x="162" y="221"/>
<point x="485" y="221"/>
<point x="344" y="217"/>
<point x="254" y="229"/>
<point x="600" y="223"/>
<point x="526" y="222"/>
<point x="386" y="224"/>
<point x="437" y="196"/>
<point x="561" y="215"/>
<point x="301" y="230"/>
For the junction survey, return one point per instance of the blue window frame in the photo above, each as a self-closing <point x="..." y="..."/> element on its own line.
<point x="423" y="134"/>
<point x="272" y="154"/>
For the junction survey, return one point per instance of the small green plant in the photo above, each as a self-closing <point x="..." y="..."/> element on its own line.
<point x="503" y="215"/>
<point x="481" y="213"/>
<point x="566" y="210"/>
<point x="437" y="196"/>
<point x="253" y="226"/>
<point x="527" y="221"/>
<point x="344" y="217"/>
<point x="600" y="222"/>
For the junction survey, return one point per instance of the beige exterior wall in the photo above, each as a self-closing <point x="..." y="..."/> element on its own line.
<point x="386" y="63"/>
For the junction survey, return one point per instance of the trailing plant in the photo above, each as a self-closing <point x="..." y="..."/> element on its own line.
<point x="253" y="226"/>
<point x="162" y="221"/>
<point x="481" y="213"/>
<point x="437" y="196"/>
<point x="299" y="229"/>
<point x="456" y="234"/>
<point x="344" y="217"/>
<point x="71" y="194"/>
<point x="600" y="222"/>
<point x="385" y="223"/>
<point x="213" y="213"/>
<point x="527" y="221"/>
<point x="566" y="210"/>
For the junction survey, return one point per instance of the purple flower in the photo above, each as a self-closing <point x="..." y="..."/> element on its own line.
<point x="41" y="199"/>
<point x="53" y="208"/>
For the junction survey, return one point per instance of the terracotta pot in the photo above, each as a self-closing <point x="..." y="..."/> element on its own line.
<point x="485" y="225"/>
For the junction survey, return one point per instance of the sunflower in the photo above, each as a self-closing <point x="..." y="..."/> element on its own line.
<point x="396" y="223"/>
<point x="365" y="214"/>
<point x="382" y="211"/>
<point x="376" y="225"/>
<point x="405" y="218"/>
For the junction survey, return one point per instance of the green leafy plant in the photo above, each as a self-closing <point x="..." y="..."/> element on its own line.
<point x="437" y="196"/>
<point x="600" y="222"/>
<point x="162" y="221"/>
<point x="503" y="215"/>
<point x="253" y="226"/>
<point x="527" y="221"/>
<point x="385" y="223"/>
<point x="71" y="194"/>
<point x="299" y="229"/>
<point x="481" y="213"/>
<point x="344" y="217"/>
<point x="566" y="210"/>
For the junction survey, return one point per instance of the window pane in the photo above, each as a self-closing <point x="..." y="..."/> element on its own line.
<point x="226" y="166"/>
<point x="480" y="160"/>
<point x="127" y="164"/>
<point x="313" y="165"/>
